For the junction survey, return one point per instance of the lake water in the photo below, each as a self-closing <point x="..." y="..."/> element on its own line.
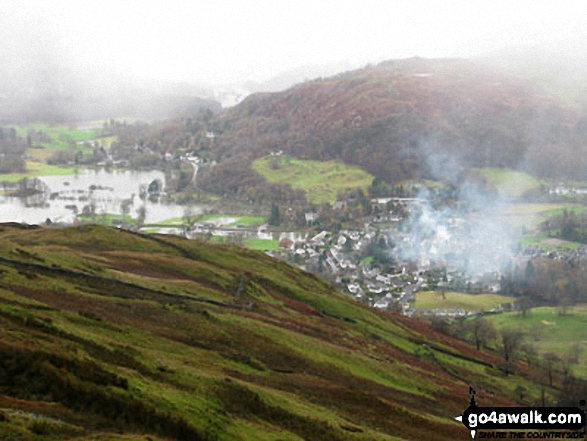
<point x="75" y="190"/>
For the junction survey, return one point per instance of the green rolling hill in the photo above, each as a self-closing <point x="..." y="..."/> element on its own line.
<point x="111" y="335"/>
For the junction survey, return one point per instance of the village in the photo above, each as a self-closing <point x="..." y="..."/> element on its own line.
<point x="345" y="259"/>
<point x="366" y="262"/>
<point x="372" y="265"/>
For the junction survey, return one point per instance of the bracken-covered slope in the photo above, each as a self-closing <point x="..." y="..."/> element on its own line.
<point x="401" y="119"/>
<point x="106" y="334"/>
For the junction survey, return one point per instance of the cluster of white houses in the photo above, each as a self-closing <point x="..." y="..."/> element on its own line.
<point x="341" y="257"/>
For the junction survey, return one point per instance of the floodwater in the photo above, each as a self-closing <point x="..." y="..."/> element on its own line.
<point x="104" y="189"/>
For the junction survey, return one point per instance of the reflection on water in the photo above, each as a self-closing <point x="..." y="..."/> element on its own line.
<point x="67" y="195"/>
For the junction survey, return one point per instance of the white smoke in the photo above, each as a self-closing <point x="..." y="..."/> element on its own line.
<point x="471" y="235"/>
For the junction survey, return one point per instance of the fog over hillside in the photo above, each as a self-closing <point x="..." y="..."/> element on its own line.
<point x="68" y="58"/>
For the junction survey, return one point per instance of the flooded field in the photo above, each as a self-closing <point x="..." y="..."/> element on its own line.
<point x="104" y="191"/>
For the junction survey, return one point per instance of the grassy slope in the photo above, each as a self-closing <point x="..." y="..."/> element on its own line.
<point x="320" y="180"/>
<point x="509" y="183"/>
<point x="116" y="334"/>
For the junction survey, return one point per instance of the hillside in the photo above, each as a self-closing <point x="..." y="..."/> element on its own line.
<point x="108" y="334"/>
<point x="407" y="119"/>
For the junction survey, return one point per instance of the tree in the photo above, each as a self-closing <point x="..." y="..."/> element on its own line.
<point x="125" y="206"/>
<point x="321" y="260"/>
<point x="511" y="342"/>
<point x="520" y="391"/>
<point x="189" y="219"/>
<point x="89" y="210"/>
<point x="480" y="331"/>
<point x="236" y="239"/>
<point x="530" y="273"/>
<point x="274" y="162"/>
<point x="524" y="304"/>
<point x="530" y="354"/>
<point x="141" y="216"/>
<point x="549" y="362"/>
<point x="348" y="245"/>
<point x="566" y="367"/>
<point x="274" y="218"/>
<point x="573" y="390"/>
<point x="441" y="324"/>
<point x="565" y="302"/>
<point x="379" y="188"/>
<point x="574" y="353"/>
<point x="240" y="287"/>
<point x="364" y="202"/>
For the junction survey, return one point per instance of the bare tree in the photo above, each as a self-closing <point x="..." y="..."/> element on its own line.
<point x="141" y="216"/>
<point x="481" y="332"/>
<point x="237" y="239"/>
<point x="125" y="209"/>
<point x="549" y="363"/>
<point x="530" y="353"/>
<point x="511" y="342"/>
<point x="520" y="391"/>
<point x="524" y="304"/>
<point x="189" y="219"/>
<point x="574" y="353"/>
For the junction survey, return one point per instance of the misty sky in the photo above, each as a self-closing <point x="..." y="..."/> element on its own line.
<point x="223" y="41"/>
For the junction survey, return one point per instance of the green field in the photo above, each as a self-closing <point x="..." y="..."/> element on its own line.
<point x="543" y="241"/>
<point x="150" y="230"/>
<point x="321" y="180"/>
<point x="251" y="243"/>
<point x="468" y="302"/>
<point x="238" y="219"/>
<point x="36" y="169"/>
<point x="261" y="244"/>
<point x="549" y="330"/>
<point x="509" y="183"/>
<point x="59" y="134"/>
<point x="56" y="131"/>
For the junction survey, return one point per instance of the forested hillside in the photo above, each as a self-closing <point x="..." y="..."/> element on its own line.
<point x="406" y="119"/>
